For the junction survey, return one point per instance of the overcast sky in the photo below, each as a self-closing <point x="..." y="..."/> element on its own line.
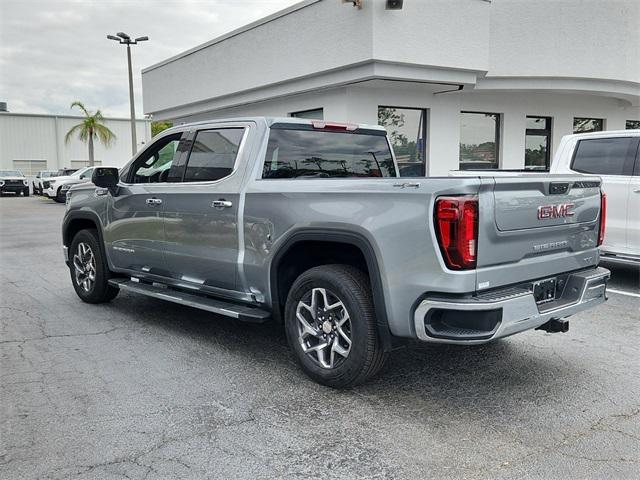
<point x="54" y="52"/>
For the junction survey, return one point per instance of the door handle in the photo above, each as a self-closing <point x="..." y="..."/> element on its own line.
<point x="637" y="190"/>
<point x="154" y="201"/>
<point x="222" y="203"/>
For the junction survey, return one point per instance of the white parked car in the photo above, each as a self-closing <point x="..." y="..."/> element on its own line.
<point x="615" y="157"/>
<point x="42" y="176"/>
<point x="58" y="186"/>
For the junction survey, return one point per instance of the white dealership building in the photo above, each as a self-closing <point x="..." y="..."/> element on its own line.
<point x="34" y="142"/>
<point x="457" y="83"/>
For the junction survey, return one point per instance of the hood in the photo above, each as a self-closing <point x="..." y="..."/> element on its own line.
<point x="12" y="177"/>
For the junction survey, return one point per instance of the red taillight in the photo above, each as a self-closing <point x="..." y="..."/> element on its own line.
<point x="603" y="217"/>
<point x="347" y="127"/>
<point x="457" y="230"/>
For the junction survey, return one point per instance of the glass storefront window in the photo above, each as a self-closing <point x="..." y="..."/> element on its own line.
<point x="585" y="125"/>
<point x="407" y="130"/>
<point x="316" y="114"/>
<point x="537" y="143"/>
<point x="479" y="140"/>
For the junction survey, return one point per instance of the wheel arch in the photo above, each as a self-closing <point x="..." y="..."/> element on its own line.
<point x="76" y="221"/>
<point x="336" y="237"/>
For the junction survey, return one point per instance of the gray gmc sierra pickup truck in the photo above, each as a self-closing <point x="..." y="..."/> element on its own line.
<point x="307" y="223"/>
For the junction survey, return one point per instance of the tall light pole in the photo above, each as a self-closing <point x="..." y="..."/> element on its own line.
<point x="124" y="39"/>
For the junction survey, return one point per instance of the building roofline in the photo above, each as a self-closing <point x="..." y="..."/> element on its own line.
<point x="250" y="26"/>
<point x="54" y="115"/>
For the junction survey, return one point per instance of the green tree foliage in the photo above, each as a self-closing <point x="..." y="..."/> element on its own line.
<point x="157" y="127"/>
<point x="90" y="129"/>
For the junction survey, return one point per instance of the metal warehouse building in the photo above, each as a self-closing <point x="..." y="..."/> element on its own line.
<point x="458" y="84"/>
<point x="34" y="142"/>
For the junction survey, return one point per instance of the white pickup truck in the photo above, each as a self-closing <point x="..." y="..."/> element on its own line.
<point x="615" y="157"/>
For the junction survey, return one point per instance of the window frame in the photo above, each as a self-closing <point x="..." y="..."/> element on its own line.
<point x="424" y="113"/>
<point x="628" y="167"/>
<point x="498" y="137"/>
<point x="546" y="132"/>
<point x="628" y="121"/>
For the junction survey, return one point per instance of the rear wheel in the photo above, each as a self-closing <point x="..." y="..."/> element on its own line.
<point x="331" y="326"/>
<point x="89" y="272"/>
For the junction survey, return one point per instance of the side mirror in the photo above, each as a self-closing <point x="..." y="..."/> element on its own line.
<point x="106" y="178"/>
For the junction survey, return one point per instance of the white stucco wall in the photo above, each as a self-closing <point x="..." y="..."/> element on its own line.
<point x="41" y="137"/>
<point x="566" y="38"/>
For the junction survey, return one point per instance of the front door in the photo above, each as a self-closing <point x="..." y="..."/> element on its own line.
<point x="134" y="235"/>
<point x="201" y="212"/>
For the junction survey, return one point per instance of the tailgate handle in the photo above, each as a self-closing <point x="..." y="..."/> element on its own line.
<point x="556" y="188"/>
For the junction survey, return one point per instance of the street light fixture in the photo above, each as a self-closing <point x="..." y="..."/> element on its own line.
<point x="124" y="39"/>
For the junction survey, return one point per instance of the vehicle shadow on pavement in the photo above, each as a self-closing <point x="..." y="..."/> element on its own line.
<point x="448" y="376"/>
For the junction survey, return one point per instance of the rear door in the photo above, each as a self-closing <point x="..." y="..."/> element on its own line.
<point x="201" y="212"/>
<point x="633" y="213"/>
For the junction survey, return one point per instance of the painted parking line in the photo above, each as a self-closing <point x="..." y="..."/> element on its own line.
<point x="622" y="292"/>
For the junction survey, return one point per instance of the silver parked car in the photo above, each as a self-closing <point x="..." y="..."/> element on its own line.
<point x="307" y="223"/>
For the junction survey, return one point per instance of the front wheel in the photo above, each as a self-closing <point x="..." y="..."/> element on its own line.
<point x="89" y="272"/>
<point x="25" y="192"/>
<point x="331" y="326"/>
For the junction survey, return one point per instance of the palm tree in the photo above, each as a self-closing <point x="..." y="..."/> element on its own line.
<point x="91" y="128"/>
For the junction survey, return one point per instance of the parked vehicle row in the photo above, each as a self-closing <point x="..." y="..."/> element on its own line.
<point x="306" y="223"/>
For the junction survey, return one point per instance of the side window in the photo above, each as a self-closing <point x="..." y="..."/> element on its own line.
<point x="604" y="156"/>
<point x="154" y="164"/>
<point x="213" y="154"/>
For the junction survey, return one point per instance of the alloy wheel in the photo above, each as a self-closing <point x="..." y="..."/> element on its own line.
<point x="84" y="264"/>
<point x="324" y="327"/>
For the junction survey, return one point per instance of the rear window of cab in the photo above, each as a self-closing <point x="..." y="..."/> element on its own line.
<point x="306" y="152"/>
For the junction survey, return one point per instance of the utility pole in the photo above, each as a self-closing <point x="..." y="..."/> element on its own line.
<point x="124" y="39"/>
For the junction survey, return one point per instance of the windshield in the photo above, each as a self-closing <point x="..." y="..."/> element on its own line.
<point x="48" y="174"/>
<point x="80" y="172"/>
<point x="301" y="153"/>
<point x="10" y="173"/>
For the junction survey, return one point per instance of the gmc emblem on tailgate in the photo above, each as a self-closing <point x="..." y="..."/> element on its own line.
<point x="555" y="211"/>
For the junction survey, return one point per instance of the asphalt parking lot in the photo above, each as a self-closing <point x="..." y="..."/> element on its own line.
<point x="139" y="388"/>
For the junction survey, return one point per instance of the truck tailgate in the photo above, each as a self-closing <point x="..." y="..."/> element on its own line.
<point x="540" y="225"/>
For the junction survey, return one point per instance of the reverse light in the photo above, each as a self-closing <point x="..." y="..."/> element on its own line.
<point x="345" y="127"/>
<point x="603" y="217"/>
<point x="456" y="220"/>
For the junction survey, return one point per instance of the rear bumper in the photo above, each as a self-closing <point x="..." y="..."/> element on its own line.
<point x="497" y="314"/>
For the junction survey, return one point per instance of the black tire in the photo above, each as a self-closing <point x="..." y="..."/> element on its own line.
<point x="25" y="192"/>
<point x="100" y="291"/>
<point x="351" y="287"/>
<point x="60" y="196"/>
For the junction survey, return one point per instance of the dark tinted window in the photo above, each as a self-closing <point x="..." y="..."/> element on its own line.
<point x="322" y="154"/>
<point x="603" y="156"/>
<point x="213" y="154"/>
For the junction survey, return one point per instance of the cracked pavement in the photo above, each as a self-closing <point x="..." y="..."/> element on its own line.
<point x="139" y="388"/>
